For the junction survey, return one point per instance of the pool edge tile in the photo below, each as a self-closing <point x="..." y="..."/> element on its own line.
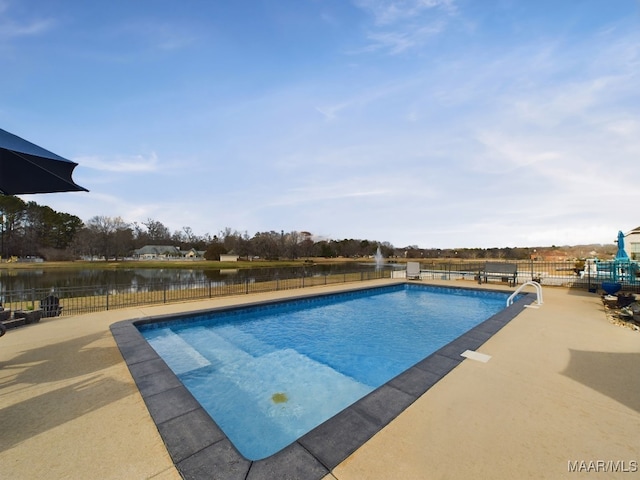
<point x="219" y="461"/>
<point x="295" y="460"/>
<point x="340" y="436"/>
<point x="190" y="433"/>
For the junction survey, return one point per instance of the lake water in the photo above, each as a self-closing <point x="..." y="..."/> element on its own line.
<point x="25" y="280"/>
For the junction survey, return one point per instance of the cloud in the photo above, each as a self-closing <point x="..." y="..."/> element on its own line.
<point x="330" y="112"/>
<point x="360" y="100"/>
<point x="326" y="193"/>
<point x="401" y="25"/>
<point x="160" y="35"/>
<point x="400" y="41"/>
<point x="13" y="28"/>
<point x="386" y="12"/>
<point x="119" y="163"/>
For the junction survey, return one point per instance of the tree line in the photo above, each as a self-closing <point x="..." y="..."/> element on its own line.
<point x="32" y="230"/>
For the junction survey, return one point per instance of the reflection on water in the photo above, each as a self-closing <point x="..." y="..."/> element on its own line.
<point x="139" y="278"/>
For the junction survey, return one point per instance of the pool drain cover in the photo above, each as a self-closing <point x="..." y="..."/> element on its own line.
<point x="279" y="397"/>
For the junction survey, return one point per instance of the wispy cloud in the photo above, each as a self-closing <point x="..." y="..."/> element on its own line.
<point x="386" y="12"/>
<point x="327" y="193"/>
<point x="131" y="164"/>
<point x="12" y="27"/>
<point x="400" y="25"/>
<point x="364" y="98"/>
<point x="160" y="35"/>
<point x="394" y="42"/>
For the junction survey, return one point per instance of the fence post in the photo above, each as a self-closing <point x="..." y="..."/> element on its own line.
<point x="210" y="281"/>
<point x="246" y="283"/>
<point x="107" y="300"/>
<point x="531" y="269"/>
<point x="164" y="292"/>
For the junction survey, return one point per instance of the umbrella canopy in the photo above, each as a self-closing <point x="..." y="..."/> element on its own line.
<point x="28" y="168"/>
<point x="622" y="254"/>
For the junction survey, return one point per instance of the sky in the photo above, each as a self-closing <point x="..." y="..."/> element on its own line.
<point x="433" y="123"/>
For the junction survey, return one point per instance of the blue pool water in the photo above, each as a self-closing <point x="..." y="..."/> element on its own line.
<point x="269" y="374"/>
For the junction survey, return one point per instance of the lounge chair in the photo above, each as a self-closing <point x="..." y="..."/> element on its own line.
<point x="413" y="270"/>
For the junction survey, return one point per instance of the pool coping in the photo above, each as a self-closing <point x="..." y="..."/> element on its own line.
<point x="200" y="449"/>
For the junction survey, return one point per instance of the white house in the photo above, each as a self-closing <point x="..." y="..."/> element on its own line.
<point x="632" y="243"/>
<point x="157" y="252"/>
<point x="192" y="253"/>
<point x="229" y="257"/>
<point x="166" y="252"/>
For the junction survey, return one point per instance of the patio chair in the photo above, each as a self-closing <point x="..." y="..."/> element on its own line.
<point x="413" y="270"/>
<point x="50" y="306"/>
<point x="5" y="313"/>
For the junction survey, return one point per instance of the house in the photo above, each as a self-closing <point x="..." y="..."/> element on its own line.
<point x="229" y="257"/>
<point x="632" y="243"/>
<point x="192" y="254"/>
<point x="166" y="252"/>
<point x="157" y="252"/>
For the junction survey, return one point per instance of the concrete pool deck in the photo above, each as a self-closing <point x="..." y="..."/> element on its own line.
<point x="562" y="387"/>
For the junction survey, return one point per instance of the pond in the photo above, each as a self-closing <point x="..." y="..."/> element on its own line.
<point x="24" y="280"/>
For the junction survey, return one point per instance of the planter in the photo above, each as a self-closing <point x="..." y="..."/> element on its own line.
<point x="30" y="316"/>
<point x="610" y="301"/>
<point x="611" y="288"/>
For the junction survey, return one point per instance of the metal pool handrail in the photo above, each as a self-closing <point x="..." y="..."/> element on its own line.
<point x="534" y="284"/>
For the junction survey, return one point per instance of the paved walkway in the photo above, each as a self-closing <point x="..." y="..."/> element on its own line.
<point x="562" y="385"/>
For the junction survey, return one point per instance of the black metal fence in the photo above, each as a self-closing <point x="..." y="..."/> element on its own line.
<point x="92" y="298"/>
<point x="77" y="300"/>
<point x="572" y="274"/>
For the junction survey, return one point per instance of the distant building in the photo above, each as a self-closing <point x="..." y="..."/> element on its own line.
<point x="632" y="243"/>
<point x="192" y="253"/>
<point x="229" y="257"/>
<point x="165" y="252"/>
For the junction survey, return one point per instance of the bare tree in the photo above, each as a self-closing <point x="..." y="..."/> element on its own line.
<point x="292" y="245"/>
<point x="157" y="232"/>
<point x="111" y="237"/>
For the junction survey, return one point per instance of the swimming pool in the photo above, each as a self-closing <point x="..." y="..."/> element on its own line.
<point x="268" y="375"/>
<point x="330" y="442"/>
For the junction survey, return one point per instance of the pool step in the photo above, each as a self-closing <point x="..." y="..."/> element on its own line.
<point x="282" y="391"/>
<point x="245" y="341"/>
<point x="278" y="371"/>
<point x="176" y="352"/>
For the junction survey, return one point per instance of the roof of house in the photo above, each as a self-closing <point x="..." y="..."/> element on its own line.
<point x="158" y="250"/>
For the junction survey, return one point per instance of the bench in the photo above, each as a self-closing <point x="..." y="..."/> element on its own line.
<point x="506" y="272"/>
